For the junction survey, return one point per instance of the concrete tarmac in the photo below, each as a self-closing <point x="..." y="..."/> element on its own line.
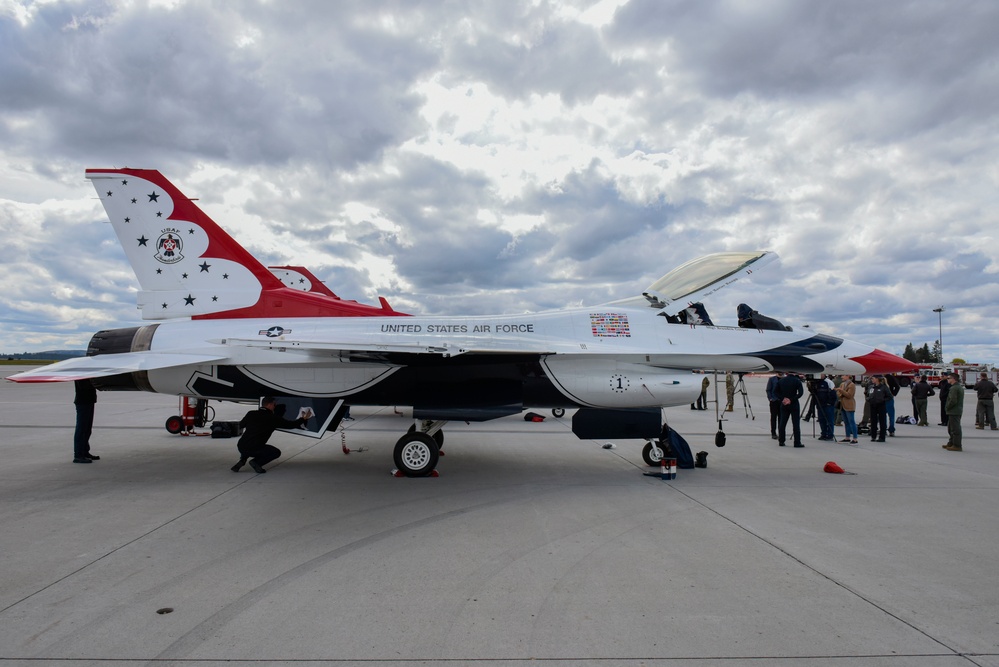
<point x="532" y="547"/>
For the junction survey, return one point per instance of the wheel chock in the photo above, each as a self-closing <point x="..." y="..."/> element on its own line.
<point x="667" y="470"/>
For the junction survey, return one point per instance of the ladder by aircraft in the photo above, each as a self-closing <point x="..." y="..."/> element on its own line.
<point x="228" y="328"/>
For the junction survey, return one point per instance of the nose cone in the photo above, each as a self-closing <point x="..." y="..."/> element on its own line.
<point x="878" y="361"/>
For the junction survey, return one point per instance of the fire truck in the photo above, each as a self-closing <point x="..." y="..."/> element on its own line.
<point x="970" y="373"/>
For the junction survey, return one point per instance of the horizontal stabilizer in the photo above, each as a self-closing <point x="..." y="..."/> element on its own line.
<point x="104" y="365"/>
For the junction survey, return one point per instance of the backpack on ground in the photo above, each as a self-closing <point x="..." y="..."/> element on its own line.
<point x="675" y="447"/>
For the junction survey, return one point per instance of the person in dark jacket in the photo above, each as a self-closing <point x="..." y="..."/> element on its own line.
<point x="955" y="408"/>
<point x="921" y="391"/>
<point x="789" y="390"/>
<point x="878" y="400"/>
<point x="86" y="397"/>
<point x="985" y="412"/>
<point x="258" y="426"/>
<point x="825" y="396"/>
<point x="774" y="403"/>
<point x="943" y="388"/>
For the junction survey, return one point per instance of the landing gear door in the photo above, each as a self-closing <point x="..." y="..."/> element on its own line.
<point x="326" y="414"/>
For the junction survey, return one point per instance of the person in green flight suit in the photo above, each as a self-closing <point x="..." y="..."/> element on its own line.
<point x="954" y="407"/>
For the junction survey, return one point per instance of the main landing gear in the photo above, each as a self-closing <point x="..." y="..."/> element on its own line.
<point x="416" y="453"/>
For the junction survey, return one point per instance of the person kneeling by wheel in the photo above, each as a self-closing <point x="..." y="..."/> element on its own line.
<point x="258" y="426"/>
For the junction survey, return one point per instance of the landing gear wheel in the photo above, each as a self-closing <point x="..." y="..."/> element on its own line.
<point x="652" y="454"/>
<point x="174" y="425"/>
<point x="438" y="436"/>
<point x="416" y="454"/>
<point x="558" y="412"/>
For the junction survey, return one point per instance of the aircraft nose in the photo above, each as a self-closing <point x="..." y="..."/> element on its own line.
<point x="878" y="361"/>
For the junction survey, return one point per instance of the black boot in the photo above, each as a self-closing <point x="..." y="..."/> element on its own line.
<point x="239" y="464"/>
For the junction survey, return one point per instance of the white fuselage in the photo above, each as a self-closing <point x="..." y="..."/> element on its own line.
<point x="600" y="357"/>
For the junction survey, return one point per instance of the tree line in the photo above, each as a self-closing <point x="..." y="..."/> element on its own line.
<point x="923" y="355"/>
<point x="927" y="354"/>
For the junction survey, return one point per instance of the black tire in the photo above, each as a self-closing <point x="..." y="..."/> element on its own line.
<point x="416" y="454"/>
<point x="649" y="456"/>
<point x="558" y="413"/>
<point x="174" y="424"/>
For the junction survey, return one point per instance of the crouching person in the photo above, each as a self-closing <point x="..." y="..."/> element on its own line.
<point x="258" y="426"/>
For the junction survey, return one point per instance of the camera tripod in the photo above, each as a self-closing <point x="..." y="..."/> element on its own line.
<point x="740" y="388"/>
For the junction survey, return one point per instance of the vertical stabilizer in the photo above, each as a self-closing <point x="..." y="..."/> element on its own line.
<point x="188" y="266"/>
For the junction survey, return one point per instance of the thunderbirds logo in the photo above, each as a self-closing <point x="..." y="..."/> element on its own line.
<point x="169" y="246"/>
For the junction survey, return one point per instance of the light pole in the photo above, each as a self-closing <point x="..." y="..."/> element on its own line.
<point x="939" y="312"/>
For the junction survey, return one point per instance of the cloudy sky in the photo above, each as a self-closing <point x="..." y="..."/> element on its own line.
<point x="463" y="157"/>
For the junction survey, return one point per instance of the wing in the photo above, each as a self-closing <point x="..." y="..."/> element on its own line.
<point x="104" y="365"/>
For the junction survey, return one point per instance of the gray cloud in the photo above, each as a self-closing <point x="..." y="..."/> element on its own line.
<point x="151" y="84"/>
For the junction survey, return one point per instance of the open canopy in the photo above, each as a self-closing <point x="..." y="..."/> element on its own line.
<point x="698" y="278"/>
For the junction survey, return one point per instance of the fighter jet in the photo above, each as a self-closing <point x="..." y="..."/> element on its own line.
<point x="228" y="328"/>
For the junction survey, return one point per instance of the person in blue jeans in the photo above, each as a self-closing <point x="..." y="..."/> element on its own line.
<point x="848" y="406"/>
<point x="893" y="388"/>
